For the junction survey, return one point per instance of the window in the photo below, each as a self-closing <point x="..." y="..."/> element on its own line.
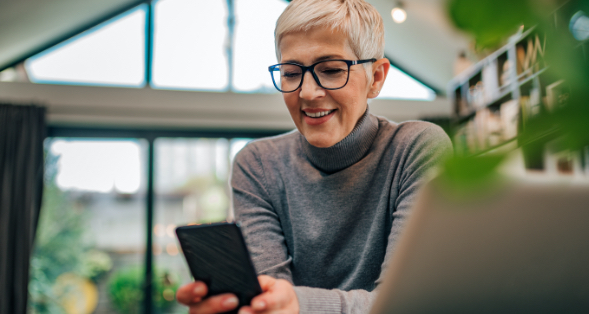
<point x="191" y="187"/>
<point x="253" y="49"/>
<point x="190" y="50"/>
<point x="90" y="242"/>
<point x="111" y="54"/>
<point x="90" y="247"/>
<point x="195" y="47"/>
<point x="399" y="85"/>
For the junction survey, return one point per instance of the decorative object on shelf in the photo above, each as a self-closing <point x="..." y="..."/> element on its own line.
<point x="556" y="95"/>
<point x="530" y="55"/>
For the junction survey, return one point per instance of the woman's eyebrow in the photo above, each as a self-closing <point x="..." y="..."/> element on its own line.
<point x="291" y="61"/>
<point x="322" y="58"/>
<point x="327" y="58"/>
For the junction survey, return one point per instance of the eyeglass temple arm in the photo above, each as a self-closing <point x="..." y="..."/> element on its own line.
<point x="363" y="61"/>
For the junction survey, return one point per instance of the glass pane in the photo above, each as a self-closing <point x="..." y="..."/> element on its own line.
<point x="253" y="49"/>
<point x="189" y="49"/>
<point x="399" y="85"/>
<point x="90" y="242"/>
<point x="8" y="75"/>
<point x="110" y="54"/>
<point x="191" y="187"/>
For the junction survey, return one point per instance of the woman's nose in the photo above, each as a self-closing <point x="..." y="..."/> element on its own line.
<point x="310" y="89"/>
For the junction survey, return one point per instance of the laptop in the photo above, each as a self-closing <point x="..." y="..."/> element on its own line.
<point x="520" y="247"/>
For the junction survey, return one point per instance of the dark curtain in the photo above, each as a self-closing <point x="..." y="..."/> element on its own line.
<point x="22" y="131"/>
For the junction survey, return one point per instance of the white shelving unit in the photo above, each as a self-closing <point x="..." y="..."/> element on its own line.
<point x="493" y="100"/>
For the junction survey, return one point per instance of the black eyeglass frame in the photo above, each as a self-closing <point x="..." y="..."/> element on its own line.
<point x="311" y="68"/>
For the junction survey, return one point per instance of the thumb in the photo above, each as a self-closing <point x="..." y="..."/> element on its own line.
<point x="266" y="282"/>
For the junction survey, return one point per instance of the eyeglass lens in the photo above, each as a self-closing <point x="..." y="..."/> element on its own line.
<point x="331" y="74"/>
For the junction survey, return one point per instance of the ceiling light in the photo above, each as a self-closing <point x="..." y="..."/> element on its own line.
<point x="399" y="15"/>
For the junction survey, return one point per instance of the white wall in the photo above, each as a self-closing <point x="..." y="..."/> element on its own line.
<point x="130" y="107"/>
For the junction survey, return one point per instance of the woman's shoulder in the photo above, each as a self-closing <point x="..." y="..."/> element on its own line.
<point x="424" y="142"/>
<point x="272" y="146"/>
<point x="410" y="130"/>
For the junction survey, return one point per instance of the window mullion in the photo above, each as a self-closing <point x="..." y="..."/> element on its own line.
<point x="148" y="43"/>
<point x="149" y="198"/>
<point x="230" y="40"/>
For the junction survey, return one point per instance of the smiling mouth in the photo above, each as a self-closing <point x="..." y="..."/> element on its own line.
<point x="318" y="114"/>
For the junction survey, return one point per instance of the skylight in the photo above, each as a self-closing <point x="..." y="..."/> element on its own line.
<point x="191" y="51"/>
<point x="190" y="45"/>
<point x="110" y="54"/>
<point x="253" y="48"/>
<point x="399" y="85"/>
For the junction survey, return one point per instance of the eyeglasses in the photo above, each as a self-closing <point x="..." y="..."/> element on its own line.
<point x="329" y="74"/>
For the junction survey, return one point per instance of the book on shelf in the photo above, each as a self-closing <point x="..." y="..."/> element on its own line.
<point x="557" y="95"/>
<point x="530" y="104"/>
<point x="506" y="73"/>
<point x="490" y="81"/>
<point x="509" y="112"/>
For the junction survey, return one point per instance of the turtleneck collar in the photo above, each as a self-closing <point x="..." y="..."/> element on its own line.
<point x="346" y="152"/>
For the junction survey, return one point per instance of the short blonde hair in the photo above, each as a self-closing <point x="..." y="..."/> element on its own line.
<point x="356" y="18"/>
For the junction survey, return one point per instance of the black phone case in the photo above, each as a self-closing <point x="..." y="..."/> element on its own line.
<point x="217" y="255"/>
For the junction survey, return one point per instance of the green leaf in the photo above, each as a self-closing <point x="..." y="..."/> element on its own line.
<point x="466" y="178"/>
<point x="490" y="21"/>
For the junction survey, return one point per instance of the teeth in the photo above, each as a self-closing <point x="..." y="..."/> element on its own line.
<point x="318" y="114"/>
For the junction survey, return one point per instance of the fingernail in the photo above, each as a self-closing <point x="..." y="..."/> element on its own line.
<point x="200" y="290"/>
<point x="259" y="305"/>
<point x="230" y="302"/>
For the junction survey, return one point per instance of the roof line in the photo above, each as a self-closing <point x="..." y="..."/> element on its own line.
<point x="396" y="65"/>
<point x="71" y="34"/>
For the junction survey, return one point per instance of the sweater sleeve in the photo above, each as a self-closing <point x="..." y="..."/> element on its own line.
<point x="260" y="223"/>
<point x="420" y="157"/>
<point x="269" y="252"/>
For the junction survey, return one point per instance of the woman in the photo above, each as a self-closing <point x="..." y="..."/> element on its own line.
<point x="321" y="207"/>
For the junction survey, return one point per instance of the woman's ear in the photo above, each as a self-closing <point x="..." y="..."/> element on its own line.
<point x="380" y="69"/>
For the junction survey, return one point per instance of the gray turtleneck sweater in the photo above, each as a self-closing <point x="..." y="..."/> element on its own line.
<point x="327" y="219"/>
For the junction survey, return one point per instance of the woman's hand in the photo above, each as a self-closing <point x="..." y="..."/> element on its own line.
<point x="192" y="295"/>
<point x="278" y="296"/>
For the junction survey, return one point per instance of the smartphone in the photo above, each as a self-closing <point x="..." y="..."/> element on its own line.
<point x="217" y="255"/>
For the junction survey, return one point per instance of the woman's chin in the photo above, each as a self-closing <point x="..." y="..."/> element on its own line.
<point x="320" y="140"/>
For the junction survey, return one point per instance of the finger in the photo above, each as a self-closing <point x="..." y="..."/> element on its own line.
<point x="191" y="293"/>
<point x="275" y="297"/>
<point x="262" y="301"/>
<point x="259" y="303"/>
<point x="246" y="310"/>
<point x="216" y="304"/>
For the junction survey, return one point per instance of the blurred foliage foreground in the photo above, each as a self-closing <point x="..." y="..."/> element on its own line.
<point x="490" y="23"/>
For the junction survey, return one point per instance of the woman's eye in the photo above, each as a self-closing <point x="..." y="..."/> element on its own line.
<point x="291" y="74"/>
<point x="334" y="71"/>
